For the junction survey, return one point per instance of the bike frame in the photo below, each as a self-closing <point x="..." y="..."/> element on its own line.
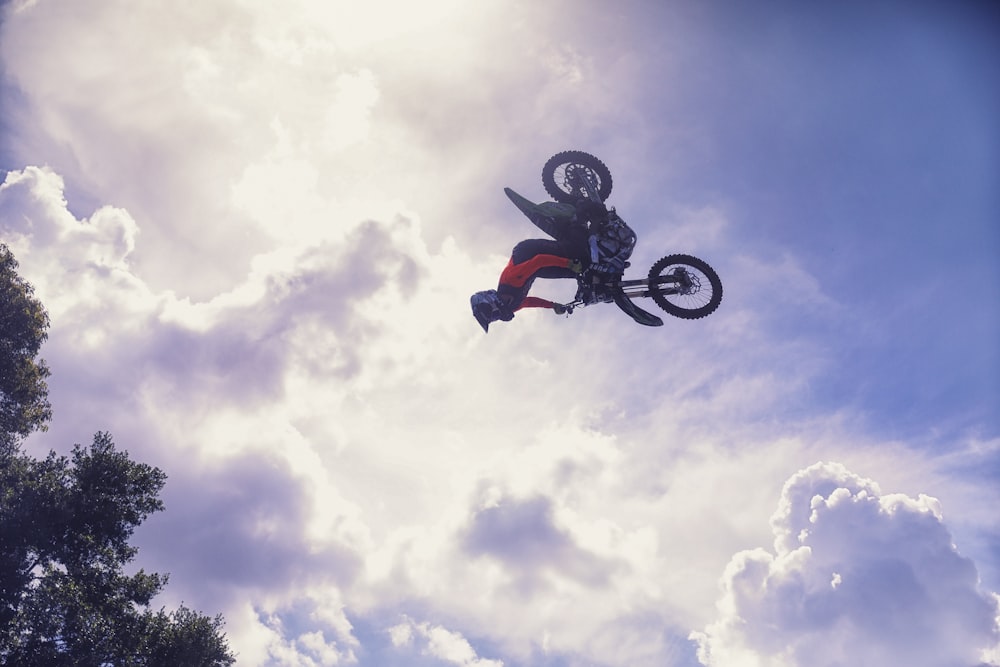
<point x="580" y="179"/>
<point x="633" y="289"/>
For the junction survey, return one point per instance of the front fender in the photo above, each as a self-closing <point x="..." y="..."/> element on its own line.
<point x="634" y="311"/>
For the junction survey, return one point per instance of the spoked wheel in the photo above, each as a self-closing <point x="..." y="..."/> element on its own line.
<point x="685" y="286"/>
<point x="562" y="174"/>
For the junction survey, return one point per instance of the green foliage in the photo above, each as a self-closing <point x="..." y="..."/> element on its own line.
<point x="24" y="404"/>
<point x="65" y="525"/>
<point x="186" y="638"/>
<point x="65" y="598"/>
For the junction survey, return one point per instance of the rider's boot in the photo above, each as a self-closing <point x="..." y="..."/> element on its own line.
<point x="488" y="307"/>
<point x="538" y="302"/>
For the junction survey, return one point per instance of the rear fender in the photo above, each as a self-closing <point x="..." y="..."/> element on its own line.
<point x="544" y="215"/>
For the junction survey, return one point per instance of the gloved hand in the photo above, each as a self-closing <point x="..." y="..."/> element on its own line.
<point x="609" y="266"/>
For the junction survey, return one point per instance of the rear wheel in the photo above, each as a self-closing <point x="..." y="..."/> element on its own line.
<point x="685" y="286"/>
<point x="562" y="174"/>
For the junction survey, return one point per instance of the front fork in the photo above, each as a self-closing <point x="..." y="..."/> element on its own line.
<point x="587" y="184"/>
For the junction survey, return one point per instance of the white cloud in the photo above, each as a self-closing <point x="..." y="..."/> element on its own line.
<point x="80" y="265"/>
<point x="856" y="577"/>
<point x="439" y="642"/>
<point x="263" y="639"/>
<point x="222" y="126"/>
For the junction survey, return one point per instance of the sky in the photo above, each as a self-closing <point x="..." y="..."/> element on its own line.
<point x="256" y="228"/>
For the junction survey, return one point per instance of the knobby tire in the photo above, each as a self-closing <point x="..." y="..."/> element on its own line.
<point x="690" y="306"/>
<point x="551" y="172"/>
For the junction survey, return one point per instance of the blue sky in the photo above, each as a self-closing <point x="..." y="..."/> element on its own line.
<point x="861" y="137"/>
<point x="256" y="231"/>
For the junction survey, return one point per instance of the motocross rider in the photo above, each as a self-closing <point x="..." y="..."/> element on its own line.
<point x="586" y="239"/>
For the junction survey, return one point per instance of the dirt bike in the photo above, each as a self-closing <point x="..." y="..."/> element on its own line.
<point x="682" y="285"/>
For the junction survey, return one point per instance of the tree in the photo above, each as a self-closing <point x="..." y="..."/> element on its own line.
<point x="64" y="596"/>
<point x="65" y="525"/>
<point x="24" y="404"/>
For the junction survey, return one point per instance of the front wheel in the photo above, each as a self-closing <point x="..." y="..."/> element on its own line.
<point x="563" y="173"/>
<point x="685" y="286"/>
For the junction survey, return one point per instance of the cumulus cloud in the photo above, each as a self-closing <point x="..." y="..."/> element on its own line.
<point x="223" y="128"/>
<point x="439" y="642"/>
<point x="34" y="208"/>
<point x="297" y="308"/>
<point x="857" y="577"/>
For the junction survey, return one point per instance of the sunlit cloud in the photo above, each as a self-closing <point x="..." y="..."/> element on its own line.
<point x="856" y="577"/>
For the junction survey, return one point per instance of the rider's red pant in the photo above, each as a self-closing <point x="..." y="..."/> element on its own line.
<point x="517" y="275"/>
<point x="516" y="279"/>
